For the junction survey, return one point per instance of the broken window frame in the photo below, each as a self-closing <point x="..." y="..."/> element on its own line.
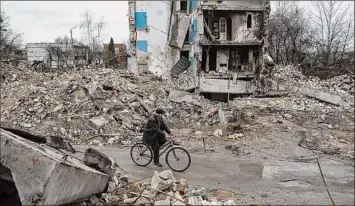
<point x="249" y="21"/>
<point x="222" y="28"/>
<point x="187" y="7"/>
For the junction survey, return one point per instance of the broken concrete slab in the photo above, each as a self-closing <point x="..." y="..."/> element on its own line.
<point x="95" y="91"/>
<point x="173" y="94"/>
<point x="195" y="200"/>
<point x="229" y="203"/>
<point x="181" y="96"/>
<point x="322" y="96"/>
<point x="42" y="175"/>
<point x="98" y="122"/>
<point x="179" y="30"/>
<point x="162" y="180"/>
<point x="162" y="202"/>
<point x="80" y="93"/>
<point x="103" y="163"/>
<point x="221" y="86"/>
<point x="8" y="194"/>
<point x="52" y="141"/>
<point x="182" y="185"/>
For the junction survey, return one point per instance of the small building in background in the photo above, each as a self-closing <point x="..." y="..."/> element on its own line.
<point x="120" y="52"/>
<point x="57" y="55"/>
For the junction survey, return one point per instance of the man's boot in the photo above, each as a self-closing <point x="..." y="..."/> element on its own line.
<point x="156" y="155"/>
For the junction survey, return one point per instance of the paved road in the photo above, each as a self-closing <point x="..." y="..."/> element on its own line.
<point x="256" y="182"/>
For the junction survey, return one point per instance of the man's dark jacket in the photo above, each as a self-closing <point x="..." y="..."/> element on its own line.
<point x="155" y="130"/>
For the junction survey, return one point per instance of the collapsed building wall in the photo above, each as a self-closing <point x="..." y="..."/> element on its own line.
<point x="149" y="32"/>
<point x="157" y="35"/>
<point x="38" y="172"/>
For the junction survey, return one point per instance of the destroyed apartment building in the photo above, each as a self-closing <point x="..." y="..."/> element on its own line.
<point x="224" y="42"/>
<point x="57" y="55"/>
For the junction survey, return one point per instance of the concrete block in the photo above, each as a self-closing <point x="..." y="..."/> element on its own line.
<point x="103" y="163"/>
<point x="162" y="180"/>
<point x="182" y="185"/>
<point x="194" y="200"/>
<point x="181" y="96"/>
<point x="98" y="122"/>
<point x="43" y="177"/>
<point x="179" y="30"/>
<point x="162" y="202"/>
<point x="323" y="96"/>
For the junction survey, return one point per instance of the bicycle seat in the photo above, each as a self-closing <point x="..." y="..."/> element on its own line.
<point x="175" y="143"/>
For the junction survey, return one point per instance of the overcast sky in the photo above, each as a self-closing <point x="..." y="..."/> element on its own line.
<point x="43" y="21"/>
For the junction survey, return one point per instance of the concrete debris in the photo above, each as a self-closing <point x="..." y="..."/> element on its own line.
<point x="40" y="181"/>
<point x="332" y="90"/>
<point x="106" y="106"/>
<point x="58" y="108"/>
<point x="98" y="122"/>
<point x="195" y="200"/>
<point x="103" y="163"/>
<point x="236" y="136"/>
<point x="104" y="101"/>
<point x="52" y="141"/>
<point x="162" y="180"/>
<point x="218" y="133"/>
<point x="160" y="191"/>
<point x="323" y="96"/>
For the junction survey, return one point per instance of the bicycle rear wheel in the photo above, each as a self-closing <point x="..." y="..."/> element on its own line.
<point x="178" y="159"/>
<point x="141" y="154"/>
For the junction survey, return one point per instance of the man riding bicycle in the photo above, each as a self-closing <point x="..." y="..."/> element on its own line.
<point x="154" y="135"/>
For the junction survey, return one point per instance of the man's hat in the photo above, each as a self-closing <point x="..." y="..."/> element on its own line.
<point x="160" y="111"/>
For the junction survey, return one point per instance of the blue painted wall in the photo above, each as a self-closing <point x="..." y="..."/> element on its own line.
<point x="142" y="45"/>
<point x="193" y="33"/>
<point x="141" y="20"/>
<point x="193" y="5"/>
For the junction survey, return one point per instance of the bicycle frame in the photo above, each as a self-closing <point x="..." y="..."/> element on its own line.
<point x="167" y="146"/>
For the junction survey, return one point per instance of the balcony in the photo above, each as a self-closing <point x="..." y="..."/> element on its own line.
<point x="228" y="7"/>
<point x="230" y="43"/>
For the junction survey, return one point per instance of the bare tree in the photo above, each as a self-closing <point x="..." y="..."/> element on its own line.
<point x="99" y="26"/>
<point x="333" y="30"/>
<point x="289" y="34"/>
<point x="92" y="33"/>
<point x="9" y="40"/>
<point x="60" y="52"/>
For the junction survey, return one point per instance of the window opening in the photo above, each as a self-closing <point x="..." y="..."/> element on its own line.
<point x="222" y="25"/>
<point x="249" y="21"/>
<point x="183" y="6"/>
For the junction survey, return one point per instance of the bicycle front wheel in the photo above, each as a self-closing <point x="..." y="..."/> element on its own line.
<point x="141" y="154"/>
<point x="178" y="159"/>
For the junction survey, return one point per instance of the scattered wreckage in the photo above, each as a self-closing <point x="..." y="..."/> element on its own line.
<point x="35" y="170"/>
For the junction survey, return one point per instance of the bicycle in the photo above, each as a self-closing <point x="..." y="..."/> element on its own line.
<point x="145" y="152"/>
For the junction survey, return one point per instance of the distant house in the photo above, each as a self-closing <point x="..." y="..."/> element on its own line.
<point x="57" y="55"/>
<point x="120" y="51"/>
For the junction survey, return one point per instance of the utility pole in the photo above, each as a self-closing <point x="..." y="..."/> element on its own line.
<point x="93" y="49"/>
<point x="72" y="44"/>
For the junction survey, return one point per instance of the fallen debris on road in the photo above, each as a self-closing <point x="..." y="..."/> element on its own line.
<point x="46" y="176"/>
<point x="164" y="189"/>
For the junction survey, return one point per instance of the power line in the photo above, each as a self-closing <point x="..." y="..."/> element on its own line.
<point x="158" y="29"/>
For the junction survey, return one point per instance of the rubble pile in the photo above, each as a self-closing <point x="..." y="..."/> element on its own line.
<point x="163" y="189"/>
<point x="341" y="83"/>
<point x="290" y="78"/>
<point x="102" y="106"/>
